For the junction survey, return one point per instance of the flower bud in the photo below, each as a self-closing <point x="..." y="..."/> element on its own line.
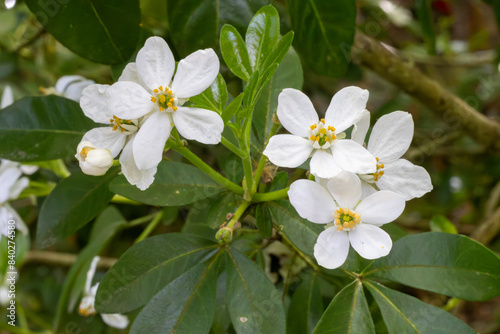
<point x="224" y="235"/>
<point x="93" y="161"/>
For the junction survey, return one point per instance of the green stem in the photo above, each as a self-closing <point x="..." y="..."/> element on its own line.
<point x="263" y="159"/>
<point x="272" y="196"/>
<point x="237" y="215"/>
<point x="247" y="161"/>
<point x="123" y="200"/>
<point x="140" y="220"/>
<point x="232" y="147"/>
<point x="151" y="226"/>
<point x="193" y="158"/>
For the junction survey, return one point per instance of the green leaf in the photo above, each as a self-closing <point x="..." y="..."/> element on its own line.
<point x="263" y="220"/>
<point x="302" y="233"/>
<point x="424" y="11"/>
<point x="232" y="108"/>
<point x="262" y="34"/>
<point x="324" y="33"/>
<point x="238" y="13"/>
<point x="105" y="227"/>
<point x="175" y="184"/>
<point x="280" y="50"/>
<point x="147" y="267"/>
<point x="254" y="303"/>
<point x="186" y="305"/>
<point x="194" y="24"/>
<point x="102" y="31"/>
<point x="214" y="97"/>
<point x="280" y="181"/>
<point x="42" y="128"/>
<point x="221" y="206"/>
<point x="288" y="75"/>
<point x="453" y="265"/>
<point x="440" y="223"/>
<point x="235" y="52"/>
<point x="71" y="205"/>
<point x="347" y="313"/>
<point x="306" y="307"/>
<point x="407" y="314"/>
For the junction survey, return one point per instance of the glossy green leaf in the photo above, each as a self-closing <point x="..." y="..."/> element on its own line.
<point x="324" y="33"/>
<point x="175" y="184"/>
<point x="105" y="227"/>
<point x="232" y="108"/>
<point x="71" y="205"/>
<point x="186" y="305"/>
<point x="194" y="24"/>
<point x="213" y="98"/>
<point x="235" y="52"/>
<point x="288" y="75"/>
<point x="280" y="181"/>
<point x="302" y="233"/>
<point x="42" y="128"/>
<point x="306" y="307"/>
<point x="262" y="34"/>
<point x="221" y="206"/>
<point x="440" y="223"/>
<point x="102" y="31"/>
<point x="280" y="50"/>
<point x="347" y="313"/>
<point x="453" y="265"/>
<point x="147" y="267"/>
<point x="406" y="314"/>
<point x="424" y="11"/>
<point x="238" y="13"/>
<point x="263" y="220"/>
<point x="254" y="303"/>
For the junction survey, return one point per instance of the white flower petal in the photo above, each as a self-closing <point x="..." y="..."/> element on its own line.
<point x="312" y="201"/>
<point x="130" y="73"/>
<point x="8" y="178"/>
<point x="288" y="150"/>
<point x="4" y="221"/>
<point x="18" y="187"/>
<point x="361" y="128"/>
<point x="323" y="165"/>
<point x="10" y="4"/>
<point x="155" y="63"/>
<point x="94" y="103"/>
<point x="367" y="189"/>
<point x="346" y="108"/>
<point x="65" y="81"/>
<point x="405" y="179"/>
<point x="128" y="100"/>
<point x="296" y="112"/>
<point x="150" y="141"/>
<point x="381" y="207"/>
<point x="75" y="89"/>
<point x="204" y="126"/>
<point x="19" y="222"/>
<point x="7" y="97"/>
<point x="391" y="136"/>
<point x="142" y="179"/>
<point x="345" y="189"/>
<point x="29" y="169"/>
<point x="371" y="242"/>
<point x="352" y="157"/>
<point x="331" y="248"/>
<point x="106" y="138"/>
<point x="90" y="275"/>
<point x="116" y="320"/>
<point x="195" y="73"/>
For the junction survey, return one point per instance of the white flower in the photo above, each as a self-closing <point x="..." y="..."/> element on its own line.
<point x="9" y="3"/>
<point x="87" y="303"/>
<point x="348" y="222"/>
<point x="323" y="139"/>
<point x="71" y="86"/>
<point x="11" y="185"/>
<point x="93" y="160"/>
<point x="162" y="98"/>
<point x="390" y="138"/>
<point x="7" y="97"/>
<point x="5" y="284"/>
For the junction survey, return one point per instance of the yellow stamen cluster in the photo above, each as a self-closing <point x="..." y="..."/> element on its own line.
<point x="85" y="150"/>
<point x="378" y="174"/>
<point x="165" y="98"/>
<point x="86" y="311"/>
<point x="346" y="219"/>
<point x="117" y="123"/>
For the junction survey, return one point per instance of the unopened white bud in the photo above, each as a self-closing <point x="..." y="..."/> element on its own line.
<point x="93" y="160"/>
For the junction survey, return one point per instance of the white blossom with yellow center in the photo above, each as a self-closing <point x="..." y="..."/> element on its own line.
<point x="348" y="220"/>
<point x="322" y="140"/>
<point x="161" y="99"/>
<point x="389" y="140"/>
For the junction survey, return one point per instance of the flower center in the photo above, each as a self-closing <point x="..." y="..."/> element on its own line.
<point x="321" y="136"/>
<point x="379" y="172"/>
<point x="85" y="150"/>
<point x="123" y="125"/>
<point x="345" y="219"/>
<point x="165" y="99"/>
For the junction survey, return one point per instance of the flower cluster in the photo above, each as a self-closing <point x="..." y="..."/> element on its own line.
<point x="142" y="108"/>
<point x="356" y="189"/>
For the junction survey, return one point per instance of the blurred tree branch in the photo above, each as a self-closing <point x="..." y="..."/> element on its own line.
<point x="371" y="54"/>
<point x="62" y="259"/>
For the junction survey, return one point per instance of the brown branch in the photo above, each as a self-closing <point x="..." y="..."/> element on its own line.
<point x="488" y="229"/>
<point x="371" y="54"/>
<point x="62" y="259"/>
